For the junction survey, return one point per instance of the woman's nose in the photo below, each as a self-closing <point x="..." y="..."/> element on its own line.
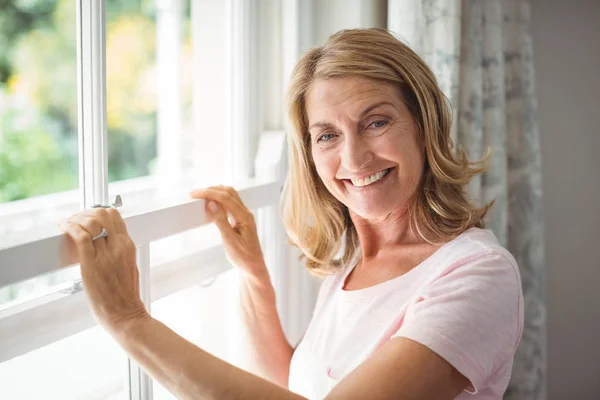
<point x="355" y="154"/>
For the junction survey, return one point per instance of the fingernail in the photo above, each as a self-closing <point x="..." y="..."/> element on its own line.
<point x="212" y="206"/>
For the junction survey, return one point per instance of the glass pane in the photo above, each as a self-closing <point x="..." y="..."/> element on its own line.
<point x="206" y="316"/>
<point x="85" y="366"/>
<point x="60" y="281"/>
<point x="184" y="244"/>
<point x="38" y="110"/>
<point x="38" y="124"/>
<point x="167" y="115"/>
<point x="130" y="87"/>
<point x="148" y="64"/>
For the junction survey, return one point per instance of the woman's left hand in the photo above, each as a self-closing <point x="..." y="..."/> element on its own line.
<point x="108" y="266"/>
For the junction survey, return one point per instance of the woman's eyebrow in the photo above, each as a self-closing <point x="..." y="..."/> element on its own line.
<point x="320" y="125"/>
<point x="366" y="111"/>
<point x="376" y="105"/>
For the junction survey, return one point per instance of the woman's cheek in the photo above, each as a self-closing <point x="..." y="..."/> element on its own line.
<point x="322" y="163"/>
<point x="327" y="170"/>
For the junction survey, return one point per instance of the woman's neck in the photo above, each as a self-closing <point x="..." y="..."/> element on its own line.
<point x="377" y="235"/>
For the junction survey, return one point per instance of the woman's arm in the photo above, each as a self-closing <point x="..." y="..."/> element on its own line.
<point x="269" y="350"/>
<point x="268" y="347"/>
<point x="186" y="370"/>
<point x="402" y="369"/>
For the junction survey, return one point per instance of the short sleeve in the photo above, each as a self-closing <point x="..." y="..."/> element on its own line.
<point x="471" y="316"/>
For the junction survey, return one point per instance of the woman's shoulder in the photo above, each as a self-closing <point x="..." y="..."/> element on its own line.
<point x="474" y="254"/>
<point x="476" y="257"/>
<point x="478" y="238"/>
<point x="478" y="242"/>
<point x="473" y="244"/>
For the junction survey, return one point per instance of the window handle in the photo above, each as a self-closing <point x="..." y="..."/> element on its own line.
<point x="118" y="202"/>
<point x="76" y="287"/>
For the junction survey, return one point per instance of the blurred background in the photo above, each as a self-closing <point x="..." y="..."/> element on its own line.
<point x="38" y="79"/>
<point x="567" y="61"/>
<point x="536" y="107"/>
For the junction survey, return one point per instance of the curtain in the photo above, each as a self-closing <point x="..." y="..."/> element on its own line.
<point x="481" y="53"/>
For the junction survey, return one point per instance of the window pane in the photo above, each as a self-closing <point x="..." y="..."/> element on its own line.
<point x="148" y="64"/>
<point x="168" y="100"/>
<point x="206" y="316"/>
<point x="38" y="107"/>
<point x="85" y="366"/>
<point x="184" y="244"/>
<point x="60" y="281"/>
<point x="38" y="124"/>
<point x="130" y="88"/>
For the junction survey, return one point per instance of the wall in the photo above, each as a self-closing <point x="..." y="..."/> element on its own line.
<point x="567" y="63"/>
<point x="333" y="15"/>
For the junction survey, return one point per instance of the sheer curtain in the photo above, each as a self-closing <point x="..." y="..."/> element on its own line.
<point x="481" y="52"/>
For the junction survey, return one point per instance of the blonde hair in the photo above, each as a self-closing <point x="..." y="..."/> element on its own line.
<point x="317" y="222"/>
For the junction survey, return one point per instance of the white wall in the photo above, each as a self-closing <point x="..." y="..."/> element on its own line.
<point x="331" y="16"/>
<point x="566" y="35"/>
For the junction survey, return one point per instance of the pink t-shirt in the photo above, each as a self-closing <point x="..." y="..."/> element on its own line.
<point x="464" y="302"/>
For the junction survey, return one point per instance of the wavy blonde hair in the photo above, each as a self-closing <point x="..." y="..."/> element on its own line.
<point x="316" y="221"/>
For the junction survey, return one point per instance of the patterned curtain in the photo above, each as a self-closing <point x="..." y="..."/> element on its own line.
<point x="482" y="55"/>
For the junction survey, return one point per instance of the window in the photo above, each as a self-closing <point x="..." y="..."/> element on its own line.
<point x="38" y="105"/>
<point x="39" y="163"/>
<point x="145" y="100"/>
<point x="198" y="305"/>
<point x="55" y="370"/>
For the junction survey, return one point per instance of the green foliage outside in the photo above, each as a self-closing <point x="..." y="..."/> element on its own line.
<point x="38" y="94"/>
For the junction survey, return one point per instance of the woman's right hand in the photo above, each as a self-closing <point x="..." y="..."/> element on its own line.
<point x="240" y="237"/>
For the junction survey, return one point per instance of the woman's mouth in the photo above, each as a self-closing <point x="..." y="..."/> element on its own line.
<point x="370" y="180"/>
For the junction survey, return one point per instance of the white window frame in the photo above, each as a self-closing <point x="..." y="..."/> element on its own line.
<point x="43" y="249"/>
<point x="91" y="100"/>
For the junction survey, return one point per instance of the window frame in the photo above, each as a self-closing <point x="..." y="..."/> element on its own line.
<point x="91" y="100"/>
<point x="42" y="249"/>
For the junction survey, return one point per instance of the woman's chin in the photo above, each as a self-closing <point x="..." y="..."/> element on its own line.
<point x="371" y="213"/>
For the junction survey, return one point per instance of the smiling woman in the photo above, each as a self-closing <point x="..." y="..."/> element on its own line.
<point x="360" y="110"/>
<point x="376" y="200"/>
<point x="373" y="162"/>
<point x="419" y="302"/>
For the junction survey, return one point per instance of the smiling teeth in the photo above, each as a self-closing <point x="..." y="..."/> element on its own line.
<point x="370" y="179"/>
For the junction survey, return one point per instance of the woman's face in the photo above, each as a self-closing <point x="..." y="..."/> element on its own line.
<point x="365" y="144"/>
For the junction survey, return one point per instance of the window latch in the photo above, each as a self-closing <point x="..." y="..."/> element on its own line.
<point x="76" y="287"/>
<point x="118" y="202"/>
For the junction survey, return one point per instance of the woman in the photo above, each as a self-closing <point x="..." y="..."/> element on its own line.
<point x="418" y="301"/>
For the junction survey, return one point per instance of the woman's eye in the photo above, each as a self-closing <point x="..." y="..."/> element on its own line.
<point x="325" y="138"/>
<point x="379" y="124"/>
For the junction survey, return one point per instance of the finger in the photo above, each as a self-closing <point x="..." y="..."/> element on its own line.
<point x="236" y="197"/>
<point x="232" y="192"/>
<point x="92" y="227"/>
<point x="84" y="245"/>
<point x="219" y="217"/>
<point x="228" y="201"/>
<point x="101" y="215"/>
<point x="228" y="190"/>
<point x="115" y="216"/>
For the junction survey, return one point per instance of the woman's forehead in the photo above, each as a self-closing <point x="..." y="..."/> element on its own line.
<point x="349" y="96"/>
